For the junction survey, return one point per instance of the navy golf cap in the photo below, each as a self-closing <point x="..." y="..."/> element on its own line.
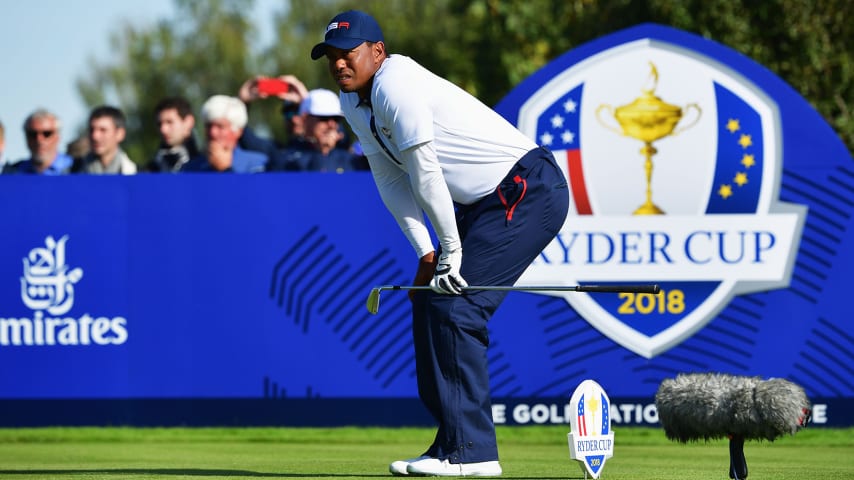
<point x="347" y="31"/>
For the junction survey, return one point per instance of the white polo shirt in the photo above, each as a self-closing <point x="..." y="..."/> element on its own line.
<point x="446" y="145"/>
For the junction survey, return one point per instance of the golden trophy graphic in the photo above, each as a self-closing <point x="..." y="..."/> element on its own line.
<point x="648" y="118"/>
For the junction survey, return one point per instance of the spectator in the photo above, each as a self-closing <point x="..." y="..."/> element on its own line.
<point x="225" y="117"/>
<point x="322" y="119"/>
<point x="249" y="92"/>
<point x="42" y="131"/>
<point x="175" y="122"/>
<point x="106" y="133"/>
<point x="78" y="148"/>
<point x="2" y="144"/>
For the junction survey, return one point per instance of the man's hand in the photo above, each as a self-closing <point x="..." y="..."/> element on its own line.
<point x="447" y="278"/>
<point x="248" y="91"/>
<point x="426" y="267"/>
<point x="220" y="156"/>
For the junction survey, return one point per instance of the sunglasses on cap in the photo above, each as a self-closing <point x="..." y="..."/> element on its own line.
<point x="33" y="134"/>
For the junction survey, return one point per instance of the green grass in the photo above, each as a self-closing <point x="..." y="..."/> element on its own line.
<point x="533" y="452"/>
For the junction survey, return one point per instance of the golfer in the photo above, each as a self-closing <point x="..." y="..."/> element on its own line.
<point x="494" y="199"/>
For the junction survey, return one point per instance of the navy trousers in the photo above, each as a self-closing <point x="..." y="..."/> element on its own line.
<point x="501" y="235"/>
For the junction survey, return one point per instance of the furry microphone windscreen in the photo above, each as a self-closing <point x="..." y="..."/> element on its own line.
<point x="715" y="405"/>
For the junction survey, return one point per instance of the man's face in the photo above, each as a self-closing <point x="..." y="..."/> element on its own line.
<point x="42" y="139"/>
<point x="174" y="129"/>
<point x="219" y="131"/>
<point x="324" y="131"/>
<point x="221" y="143"/>
<point x="353" y="69"/>
<point x="105" y="137"/>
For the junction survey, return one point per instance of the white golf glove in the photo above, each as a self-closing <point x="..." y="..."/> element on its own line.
<point x="447" y="278"/>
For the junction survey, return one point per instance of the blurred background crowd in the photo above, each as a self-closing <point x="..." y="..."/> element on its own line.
<point x="182" y="93"/>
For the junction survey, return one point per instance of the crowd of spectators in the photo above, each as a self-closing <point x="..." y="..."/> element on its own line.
<point x="312" y="121"/>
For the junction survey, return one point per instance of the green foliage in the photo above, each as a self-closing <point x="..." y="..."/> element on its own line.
<point x="485" y="46"/>
<point x="203" y="51"/>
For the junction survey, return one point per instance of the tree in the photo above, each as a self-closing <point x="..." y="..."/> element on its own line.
<point x="203" y="51"/>
<point x="485" y="46"/>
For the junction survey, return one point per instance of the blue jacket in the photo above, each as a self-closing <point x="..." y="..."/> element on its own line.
<point x="243" y="162"/>
<point x="308" y="159"/>
<point x="61" y="165"/>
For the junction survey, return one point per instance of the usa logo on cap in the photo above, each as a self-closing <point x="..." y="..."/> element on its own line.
<point x="337" y="25"/>
<point x="674" y="161"/>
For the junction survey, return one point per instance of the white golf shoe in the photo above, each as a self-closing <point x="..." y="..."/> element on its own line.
<point x="443" y="468"/>
<point x="398" y="467"/>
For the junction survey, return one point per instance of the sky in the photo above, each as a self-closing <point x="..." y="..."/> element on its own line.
<point x="45" y="46"/>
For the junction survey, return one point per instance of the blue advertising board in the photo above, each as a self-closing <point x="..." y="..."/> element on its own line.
<point x="203" y="299"/>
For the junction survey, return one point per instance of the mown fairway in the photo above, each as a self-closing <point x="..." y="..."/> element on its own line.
<point x="535" y="452"/>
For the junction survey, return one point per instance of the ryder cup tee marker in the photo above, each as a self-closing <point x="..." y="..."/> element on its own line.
<point x="591" y="440"/>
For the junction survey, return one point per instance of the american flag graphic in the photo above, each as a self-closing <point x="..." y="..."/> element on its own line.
<point x="558" y="128"/>
<point x="582" y="423"/>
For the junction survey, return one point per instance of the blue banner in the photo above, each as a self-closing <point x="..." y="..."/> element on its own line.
<point x="204" y="299"/>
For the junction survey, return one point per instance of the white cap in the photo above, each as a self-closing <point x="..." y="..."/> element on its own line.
<point x="321" y="103"/>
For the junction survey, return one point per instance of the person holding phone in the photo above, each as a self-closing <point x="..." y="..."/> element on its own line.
<point x="314" y="124"/>
<point x="290" y="91"/>
<point x="320" y="147"/>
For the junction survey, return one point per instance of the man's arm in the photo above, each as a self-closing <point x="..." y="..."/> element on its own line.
<point x="431" y="193"/>
<point x="396" y="193"/>
<point x="249" y="140"/>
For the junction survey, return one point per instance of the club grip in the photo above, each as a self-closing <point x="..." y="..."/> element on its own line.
<point x="653" y="289"/>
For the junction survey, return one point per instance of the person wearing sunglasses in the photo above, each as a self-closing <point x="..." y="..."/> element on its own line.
<point x="320" y="147"/>
<point x="42" y="131"/>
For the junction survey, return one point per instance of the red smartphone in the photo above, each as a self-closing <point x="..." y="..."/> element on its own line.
<point x="272" y="86"/>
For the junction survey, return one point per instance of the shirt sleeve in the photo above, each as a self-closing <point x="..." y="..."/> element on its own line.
<point x="431" y="192"/>
<point x="396" y="193"/>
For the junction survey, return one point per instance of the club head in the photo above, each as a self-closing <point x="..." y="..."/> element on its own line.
<point x="374" y="301"/>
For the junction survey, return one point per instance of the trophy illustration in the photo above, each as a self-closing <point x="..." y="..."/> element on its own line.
<point x="647" y="118"/>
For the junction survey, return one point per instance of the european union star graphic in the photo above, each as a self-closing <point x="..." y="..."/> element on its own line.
<point x="606" y="419"/>
<point x="738" y="174"/>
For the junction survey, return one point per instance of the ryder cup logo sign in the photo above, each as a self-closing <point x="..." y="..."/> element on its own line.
<point x="591" y="440"/>
<point x="674" y="162"/>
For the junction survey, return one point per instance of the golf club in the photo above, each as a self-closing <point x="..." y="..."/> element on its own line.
<point x="374" y="297"/>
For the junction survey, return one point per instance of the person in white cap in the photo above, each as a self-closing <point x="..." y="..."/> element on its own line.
<point x="321" y="118"/>
<point x="316" y="136"/>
